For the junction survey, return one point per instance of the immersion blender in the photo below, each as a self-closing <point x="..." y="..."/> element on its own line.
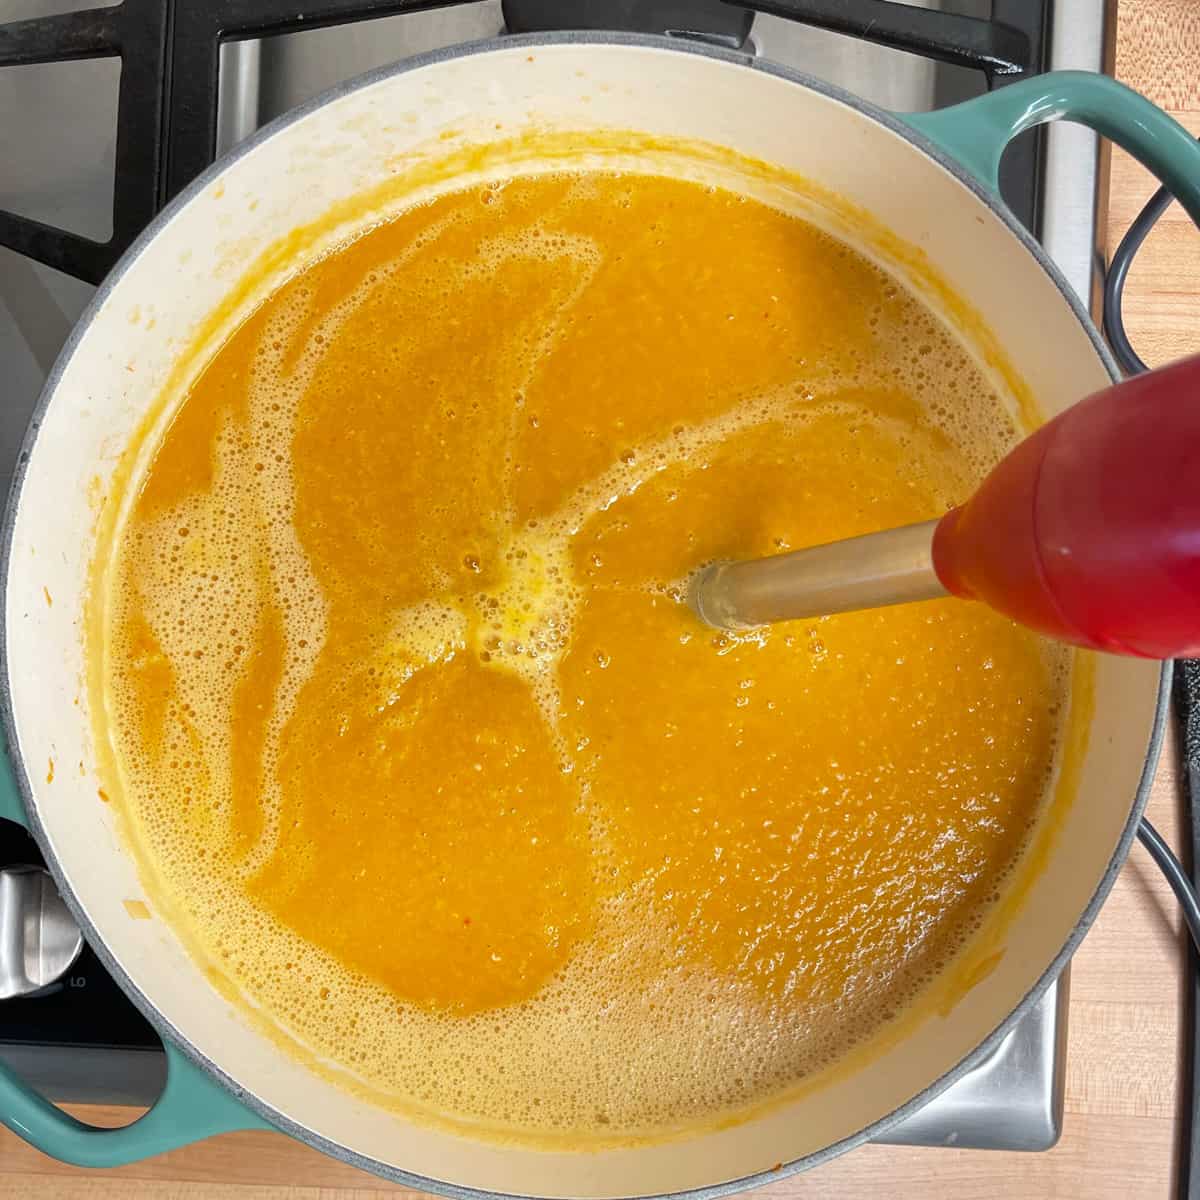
<point x="1088" y="531"/>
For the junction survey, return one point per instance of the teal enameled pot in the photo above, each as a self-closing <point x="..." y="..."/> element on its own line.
<point x="929" y="181"/>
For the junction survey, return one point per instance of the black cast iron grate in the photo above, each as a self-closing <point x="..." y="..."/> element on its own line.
<point x="170" y="53"/>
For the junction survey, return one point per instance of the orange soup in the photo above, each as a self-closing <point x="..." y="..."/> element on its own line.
<point x="421" y="747"/>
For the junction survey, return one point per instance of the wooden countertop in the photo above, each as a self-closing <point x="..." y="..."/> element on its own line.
<point x="1121" y="1120"/>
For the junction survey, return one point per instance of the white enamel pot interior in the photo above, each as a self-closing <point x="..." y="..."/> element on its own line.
<point x="192" y="260"/>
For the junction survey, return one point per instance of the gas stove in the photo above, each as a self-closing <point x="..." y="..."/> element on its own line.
<point x="92" y="148"/>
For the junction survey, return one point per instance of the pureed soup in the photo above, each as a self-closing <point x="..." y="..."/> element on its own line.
<point x="416" y="739"/>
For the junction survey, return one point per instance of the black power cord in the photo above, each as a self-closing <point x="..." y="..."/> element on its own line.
<point x="1187" y="699"/>
<point x="1177" y="877"/>
<point x="1187" y="702"/>
<point x="1114" y="283"/>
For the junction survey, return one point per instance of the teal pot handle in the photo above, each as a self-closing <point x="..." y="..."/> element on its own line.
<point x="976" y="132"/>
<point x="192" y="1106"/>
<point x="10" y="799"/>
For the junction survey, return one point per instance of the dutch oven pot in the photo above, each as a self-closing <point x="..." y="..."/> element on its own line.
<point x="930" y="179"/>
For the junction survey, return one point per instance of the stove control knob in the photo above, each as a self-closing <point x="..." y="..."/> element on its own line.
<point x="39" y="939"/>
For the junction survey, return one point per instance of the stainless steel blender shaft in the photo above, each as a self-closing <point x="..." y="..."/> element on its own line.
<point x="894" y="566"/>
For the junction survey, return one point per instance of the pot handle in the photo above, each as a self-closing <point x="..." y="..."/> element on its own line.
<point x="10" y="798"/>
<point x="193" y="1105"/>
<point x="976" y="132"/>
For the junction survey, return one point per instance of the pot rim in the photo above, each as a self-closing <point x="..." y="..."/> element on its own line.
<point x="281" y="124"/>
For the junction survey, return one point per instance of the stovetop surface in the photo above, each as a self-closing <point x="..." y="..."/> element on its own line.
<point x="84" y="1007"/>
